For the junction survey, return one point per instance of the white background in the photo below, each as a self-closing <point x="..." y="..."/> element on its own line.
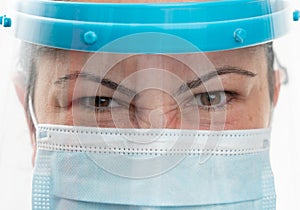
<point x="15" y="148"/>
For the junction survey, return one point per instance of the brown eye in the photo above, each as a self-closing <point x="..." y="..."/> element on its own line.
<point x="211" y="99"/>
<point x="98" y="102"/>
<point x="101" y="101"/>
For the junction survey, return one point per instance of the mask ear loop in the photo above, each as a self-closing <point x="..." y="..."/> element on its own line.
<point x="32" y="113"/>
<point x="35" y="124"/>
<point x="284" y="76"/>
<point x="283" y="79"/>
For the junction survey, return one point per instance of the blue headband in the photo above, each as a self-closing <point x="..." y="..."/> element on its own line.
<point x="151" y="27"/>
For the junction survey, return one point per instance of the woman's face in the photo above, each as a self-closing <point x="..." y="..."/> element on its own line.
<point x="219" y="90"/>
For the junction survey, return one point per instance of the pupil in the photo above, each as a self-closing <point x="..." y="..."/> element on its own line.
<point x="102" y="101"/>
<point x="209" y="99"/>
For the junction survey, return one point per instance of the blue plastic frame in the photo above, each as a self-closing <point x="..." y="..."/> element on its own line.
<point x="151" y="27"/>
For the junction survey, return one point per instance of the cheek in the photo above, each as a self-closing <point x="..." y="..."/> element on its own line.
<point x="251" y="113"/>
<point x="48" y="114"/>
<point x="46" y="109"/>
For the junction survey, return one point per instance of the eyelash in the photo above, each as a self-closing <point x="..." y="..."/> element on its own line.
<point x="84" y="101"/>
<point x="230" y="96"/>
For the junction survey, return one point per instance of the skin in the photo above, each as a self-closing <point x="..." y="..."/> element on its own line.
<point x="248" y="108"/>
<point x="154" y="103"/>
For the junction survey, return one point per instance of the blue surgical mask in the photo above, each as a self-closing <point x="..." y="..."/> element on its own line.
<point x="108" y="168"/>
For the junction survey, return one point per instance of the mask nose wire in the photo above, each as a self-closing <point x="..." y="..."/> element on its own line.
<point x="32" y="113"/>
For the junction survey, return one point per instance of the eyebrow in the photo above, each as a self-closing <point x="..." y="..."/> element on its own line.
<point x="97" y="79"/>
<point x="131" y="93"/>
<point x="219" y="71"/>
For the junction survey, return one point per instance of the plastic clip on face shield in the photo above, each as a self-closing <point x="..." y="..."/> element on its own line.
<point x="170" y="29"/>
<point x="5" y="21"/>
<point x="152" y="28"/>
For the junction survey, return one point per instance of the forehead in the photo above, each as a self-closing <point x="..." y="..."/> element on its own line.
<point x="54" y="63"/>
<point x="217" y="58"/>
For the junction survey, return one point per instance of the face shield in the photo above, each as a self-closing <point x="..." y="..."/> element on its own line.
<point x="150" y="105"/>
<point x="131" y="66"/>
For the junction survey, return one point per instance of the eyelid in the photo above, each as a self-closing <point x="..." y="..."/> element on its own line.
<point x="232" y="95"/>
<point x="112" y="100"/>
<point x="223" y="98"/>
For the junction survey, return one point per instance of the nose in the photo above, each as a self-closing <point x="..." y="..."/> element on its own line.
<point x="156" y="109"/>
<point x="157" y="118"/>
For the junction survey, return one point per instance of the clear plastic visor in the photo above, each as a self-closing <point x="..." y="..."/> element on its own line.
<point x="188" y="65"/>
<point x="134" y="91"/>
<point x="151" y="27"/>
<point x="210" y="91"/>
